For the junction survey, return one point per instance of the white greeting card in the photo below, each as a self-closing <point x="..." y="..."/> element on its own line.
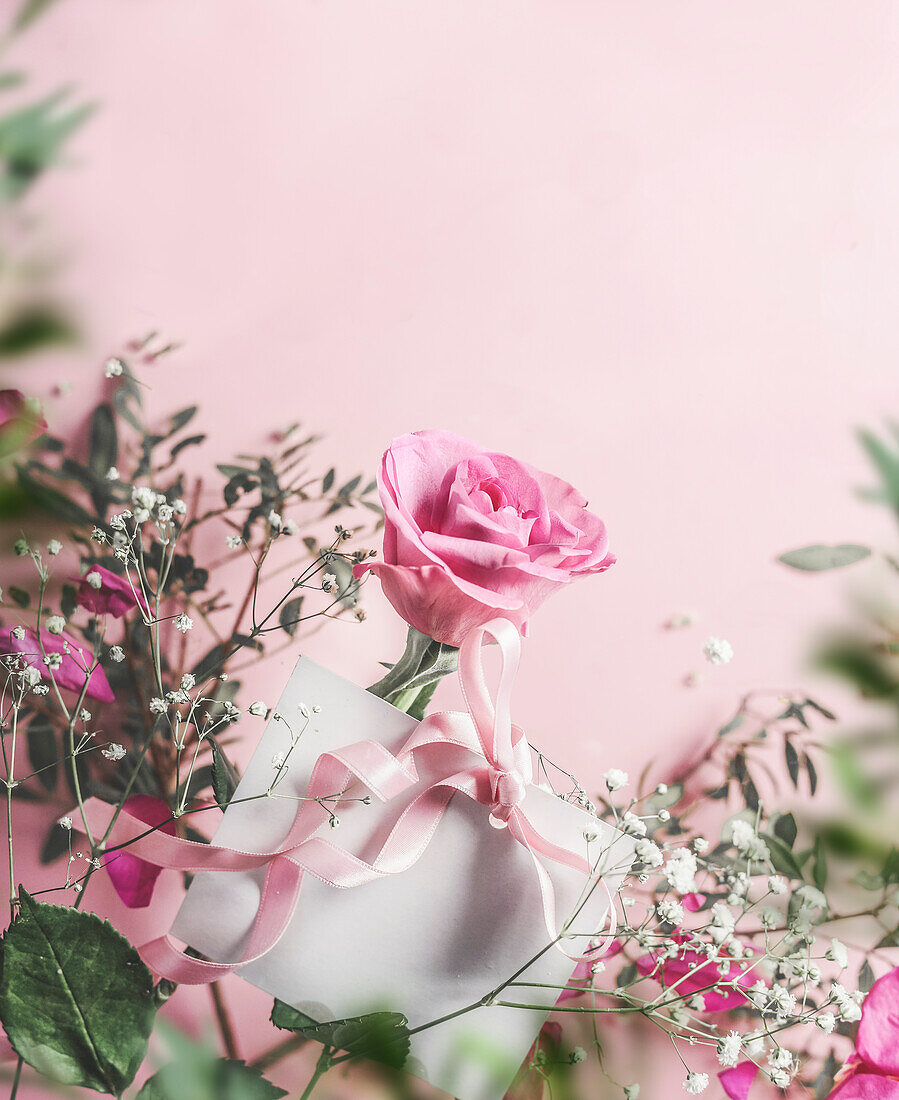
<point x="427" y="942"/>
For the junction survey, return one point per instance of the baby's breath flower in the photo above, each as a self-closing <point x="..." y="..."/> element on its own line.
<point x="113" y="751"/>
<point x="188" y="680"/>
<point x="633" y="825"/>
<point x="700" y="844"/>
<point x="157" y="705"/>
<point x="113" y="368"/>
<point x="826" y="1021"/>
<point x="65" y="823"/>
<point x="615" y="779"/>
<point x="577" y="1055"/>
<point x="777" y="885"/>
<point x="329" y="582"/>
<point x="117" y="654"/>
<point x="359" y="615"/>
<point x="179" y="507"/>
<point x="18" y="632"/>
<point x="20" y="548"/>
<point x="837" y="953"/>
<point x="680" y="870"/>
<point x="183" y="623"/>
<point x="670" y="911"/>
<point x="85" y="715"/>
<point x="56" y="624"/>
<point x="290" y="527"/>
<point x="258" y="709"/>
<point x="54" y="546"/>
<point x="648" y="853"/>
<point x="696" y="1083"/>
<point x="234" y="542"/>
<point x="274" y="519"/>
<point x="53" y="660"/>
<point x="94" y="579"/>
<point x="747" y="841"/>
<point x="717" y="651"/>
<point x="164" y="513"/>
<point x="278" y="761"/>
<point x="112" y="474"/>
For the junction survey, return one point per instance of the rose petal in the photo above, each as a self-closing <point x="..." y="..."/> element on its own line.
<point x="867" y="1086"/>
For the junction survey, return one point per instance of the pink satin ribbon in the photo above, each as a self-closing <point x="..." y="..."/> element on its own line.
<point x="496" y="776"/>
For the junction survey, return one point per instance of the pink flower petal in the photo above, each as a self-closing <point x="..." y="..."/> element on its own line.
<point x="693" y="902"/>
<point x="71" y="673"/>
<point x="737" y="1081"/>
<point x="878" y="1033"/>
<point x="867" y="1086"/>
<point x="115" y="596"/>
<point x="134" y="878"/>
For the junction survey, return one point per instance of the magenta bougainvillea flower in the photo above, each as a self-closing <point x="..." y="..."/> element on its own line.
<point x="133" y="878"/>
<point x="872" y="1073"/>
<point x="694" y="973"/>
<point x="106" y="593"/>
<point x="75" y="660"/>
<point x="737" y="1081"/>
<point x="20" y="421"/>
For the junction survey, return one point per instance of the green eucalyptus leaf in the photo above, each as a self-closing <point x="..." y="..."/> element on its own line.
<point x="818" y="558"/>
<point x="209" y="1079"/>
<point x="289" y="615"/>
<point x="380" y="1036"/>
<point x="782" y="857"/>
<point x="75" y="999"/>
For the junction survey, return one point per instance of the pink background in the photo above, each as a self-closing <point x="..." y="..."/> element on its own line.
<point x="650" y="247"/>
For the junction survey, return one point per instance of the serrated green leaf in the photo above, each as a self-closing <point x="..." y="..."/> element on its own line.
<point x="379" y="1036"/>
<point x="209" y="1079"/>
<point x="75" y="999"/>
<point x="817" y="558"/>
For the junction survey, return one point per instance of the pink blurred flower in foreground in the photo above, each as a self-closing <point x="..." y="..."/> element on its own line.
<point x="106" y="593"/>
<point x="76" y="658"/>
<point x="471" y="533"/>
<point x="20" y="421"/>
<point x="694" y="973"/>
<point x="133" y="878"/>
<point x="872" y="1073"/>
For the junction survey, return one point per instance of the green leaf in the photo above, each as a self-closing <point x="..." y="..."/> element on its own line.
<point x="819" y="865"/>
<point x="865" y="977"/>
<point x="781" y="857"/>
<point x="328" y="480"/>
<point x="380" y="1036"/>
<point x="75" y="999"/>
<point x="28" y="12"/>
<point x="34" y="328"/>
<point x="42" y="751"/>
<point x="56" y="844"/>
<point x="423" y="662"/>
<point x="19" y="596"/>
<point x="289" y="616"/>
<point x="209" y="1079"/>
<point x="51" y="500"/>
<point x="224" y="777"/>
<point x="817" y="558"/>
<point x="812" y="772"/>
<point x="792" y="760"/>
<point x="104" y="444"/>
<point x="68" y="601"/>
<point x="784" y="827"/>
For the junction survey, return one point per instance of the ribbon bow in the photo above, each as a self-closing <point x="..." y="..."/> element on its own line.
<point x="497" y="772"/>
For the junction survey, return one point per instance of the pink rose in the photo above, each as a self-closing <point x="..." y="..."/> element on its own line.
<point x="872" y="1073"/>
<point x="77" y="659"/>
<point x="471" y="534"/>
<point x="20" y="422"/>
<point x="115" y="596"/>
<point x="134" y="878"/>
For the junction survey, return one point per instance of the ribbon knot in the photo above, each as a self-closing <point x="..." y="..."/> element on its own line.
<point x="509" y="789"/>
